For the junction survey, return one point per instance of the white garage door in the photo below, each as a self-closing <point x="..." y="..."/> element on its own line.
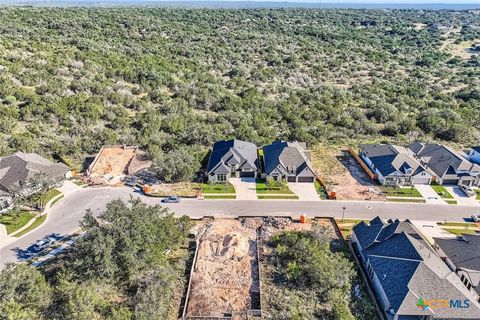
<point x="421" y="181"/>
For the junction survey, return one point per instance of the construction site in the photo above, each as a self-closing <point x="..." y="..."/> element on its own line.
<point x="225" y="281"/>
<point x="229" y="276"/>
<point x="113" y="163"/>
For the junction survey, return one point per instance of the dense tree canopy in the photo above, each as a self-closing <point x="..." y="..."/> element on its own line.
<point x="176" y="80"/>
<point x="129" y="265"/>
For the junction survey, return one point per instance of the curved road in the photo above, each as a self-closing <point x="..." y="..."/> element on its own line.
<point x="65" y="216"/>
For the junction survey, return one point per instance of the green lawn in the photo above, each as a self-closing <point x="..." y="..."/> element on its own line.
<point x="274" y="197"/>
<point x="56" y="200"/>
<point x="421" y="200"/>
<point x="320" y="190"/>
<point x="272" y="187"/>
<point x="459" y="232"/>
<point x="400" y="192"/>
<point x="218" y="188"/>
<point x="34" y="225"/>
<point x="451" y="201"/>
<point x="478" y="193"/>
<point x="231" y="196"/>
<point x="457" y="224"/>
<point x="347" y="225"/>
<point x="14" y="222"/>
<point x="441" y="191"/>
<point x="42" y="199"/>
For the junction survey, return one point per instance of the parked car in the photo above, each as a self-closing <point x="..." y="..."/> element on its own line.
<point x="476" y="218"/>
<point x="172" y="199"/>
<point x="42" y="244"/>
<point x="468" y="191"/>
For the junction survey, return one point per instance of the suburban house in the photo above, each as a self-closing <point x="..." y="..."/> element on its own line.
<point x="462" y="255"/>
<point x="289" y="161"/>
<point x="232" y="158"/>
<point x="474" y="154"/>
<point x="409" y="280"/>
<point x="446" y="165"/>
<point x="19" y="172"/>
<point x="394" y="165"/>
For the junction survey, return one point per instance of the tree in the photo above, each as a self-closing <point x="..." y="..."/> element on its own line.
<point x="24" y="293"/>
<point x="176" y="165"/>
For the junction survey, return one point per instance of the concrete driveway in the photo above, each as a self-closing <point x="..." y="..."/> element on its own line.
<point x="429" y="194"/>
<point x="245" y="188"/>
<point x="304" y="191"/>
<point x="461" y="197"/>
<point x="69" y="187"/>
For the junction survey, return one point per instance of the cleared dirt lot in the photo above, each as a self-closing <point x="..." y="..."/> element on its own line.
<point x="225" y="278"/>
<point x="342" y="173"/>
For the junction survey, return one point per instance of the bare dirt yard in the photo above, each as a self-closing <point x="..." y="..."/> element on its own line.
<point x="181" y="189"/>
<point x="225" y="281"/>
<point x="342" y="174"/>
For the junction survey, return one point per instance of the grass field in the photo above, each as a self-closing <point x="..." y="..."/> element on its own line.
<point x="347" y="225"/>
<point x="34" y="225"/>
<point x="231" y="196"/>
<point x="274" y="197"/>
<point x="459" y="232"/>
<point x="13" y="222"/>
<point x="421" y="200"/>
<point x="457" y="224"/>
<point x="42" y="199"/>
<point x="54" y="202"/>
<point x="218" y="188"/>
<point x="400" y="192"/>
<point x="272" y="188"/>
<point x="441" y="191"/>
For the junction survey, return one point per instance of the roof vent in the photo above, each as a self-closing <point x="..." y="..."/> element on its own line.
<point x="384" y="276"/>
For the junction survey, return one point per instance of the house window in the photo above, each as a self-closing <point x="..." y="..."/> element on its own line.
<point x="221" y="177"/>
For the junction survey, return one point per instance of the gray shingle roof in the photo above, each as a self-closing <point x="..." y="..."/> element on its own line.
<point x="464" y="253"/>
<point x="438" y="158"/>
<point x="233" y="151"/>
<point x="291" y="156"/>
<point x="476" y="148"/>
<point x="408" y="269"/>
<point x="22" y="166"/>
<point x="388" y="158"/>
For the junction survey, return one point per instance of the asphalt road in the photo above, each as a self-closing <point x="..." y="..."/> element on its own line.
<point x="64" y="217"/>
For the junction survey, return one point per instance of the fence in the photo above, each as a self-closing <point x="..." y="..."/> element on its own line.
<point x="365" y="279"/>
<point x="360" y="161"/>
<point x="187" y="296"/>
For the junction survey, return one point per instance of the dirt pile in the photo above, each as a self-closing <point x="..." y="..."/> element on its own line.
<point x="226" y="272"/>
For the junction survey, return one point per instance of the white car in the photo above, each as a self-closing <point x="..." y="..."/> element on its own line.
<point x="468" y="191"/>
<point x="42" y="244"/>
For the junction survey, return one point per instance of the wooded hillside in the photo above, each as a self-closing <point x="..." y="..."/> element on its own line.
<point x="175" y="80"/>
